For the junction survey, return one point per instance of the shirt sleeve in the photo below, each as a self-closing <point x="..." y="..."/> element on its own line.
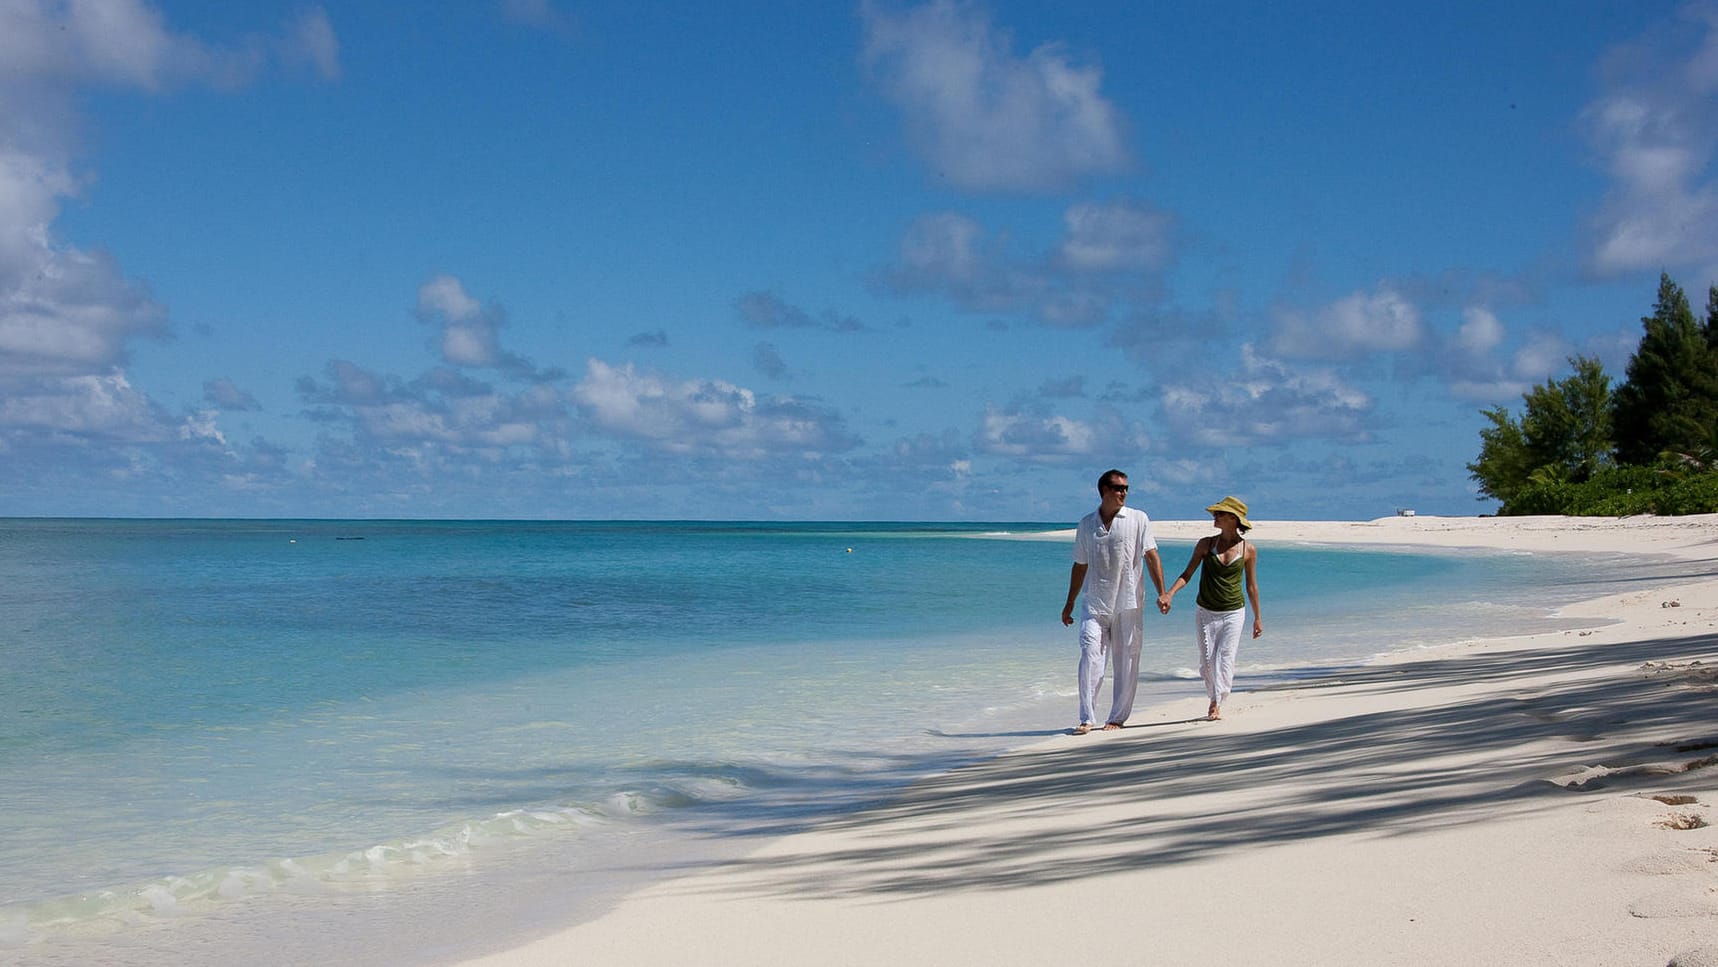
<point x="1082" y="552"/>
<point x="1147" y="542"/>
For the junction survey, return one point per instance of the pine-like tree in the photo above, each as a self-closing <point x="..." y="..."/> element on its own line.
<point x="1669" y="399"/>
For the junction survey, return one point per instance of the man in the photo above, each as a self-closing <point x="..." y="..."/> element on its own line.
<point x="1108" y="548"/>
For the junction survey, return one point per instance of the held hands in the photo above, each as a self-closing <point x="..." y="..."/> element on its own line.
<point x="1163" y="603"/>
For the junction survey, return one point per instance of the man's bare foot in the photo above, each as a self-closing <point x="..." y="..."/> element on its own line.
<point x="1111" y="726"/>
<point x="1214" y="713"/>
<point x="1082" y="728"/>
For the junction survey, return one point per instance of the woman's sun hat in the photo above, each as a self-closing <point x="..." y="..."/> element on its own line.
<point x="1232" y="505"/>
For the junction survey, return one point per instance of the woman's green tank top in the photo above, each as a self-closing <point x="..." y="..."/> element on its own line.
<point x="1220" y="584"/>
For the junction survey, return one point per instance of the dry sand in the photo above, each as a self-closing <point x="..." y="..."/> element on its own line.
<point x="1537" y="800"/>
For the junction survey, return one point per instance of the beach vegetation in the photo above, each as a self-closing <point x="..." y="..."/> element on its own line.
<point x="1563" y="436"/>
<point x="1650" y="446"/>
<point x="1669" y="400"/>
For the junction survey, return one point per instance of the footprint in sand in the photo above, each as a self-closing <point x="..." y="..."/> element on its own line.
<point x="1702" y="956"/>
<point x="1674" y="903"/>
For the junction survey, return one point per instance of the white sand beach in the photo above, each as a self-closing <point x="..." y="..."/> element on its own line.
<point x="1535" y="800"/>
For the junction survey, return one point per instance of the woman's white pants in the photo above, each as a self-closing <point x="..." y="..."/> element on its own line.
<point x="1219" y="634"/>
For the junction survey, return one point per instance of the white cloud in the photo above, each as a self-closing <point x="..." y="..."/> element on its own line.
<point x="1119" y="236"/>
<point x="1109" y="255"/>
<point x="101" y="407"/>
<point x="705" y="415"/>
<point x="470" y="331"/>
<point x="1653" y="130"/>
<point x="75" y="315"/>
<point x="1358" y="324"/>
<point x="441" y="415"/>
<point x="68" y="316"/>
<point x="984" y="117"/>
<point x="1052" y="438"/>
<point x="1266" y="401"/>
<point x="311" y="40"/>
<point x="1481" y="331"/>
<point x="1474" y="368"/>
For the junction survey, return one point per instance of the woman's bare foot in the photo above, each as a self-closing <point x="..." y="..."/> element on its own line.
<point x="1214" y="713"/>
<point x="1111" y="726"/>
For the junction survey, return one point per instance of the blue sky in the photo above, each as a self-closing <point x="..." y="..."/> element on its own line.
<point x="944" y="261"/>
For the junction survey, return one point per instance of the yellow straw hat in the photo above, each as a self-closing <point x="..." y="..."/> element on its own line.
<point x="1232" y="505"/>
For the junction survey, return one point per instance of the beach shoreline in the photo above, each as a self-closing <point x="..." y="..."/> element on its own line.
<point x="1485" y="801"/>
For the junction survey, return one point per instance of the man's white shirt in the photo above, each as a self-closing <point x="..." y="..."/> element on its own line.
<point x="1114" y="556"/>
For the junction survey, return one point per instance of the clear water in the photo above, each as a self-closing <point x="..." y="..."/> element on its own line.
<point x="253" y="729"/>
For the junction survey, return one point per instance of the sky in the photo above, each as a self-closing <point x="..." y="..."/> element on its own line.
<point x="554" y="259"/>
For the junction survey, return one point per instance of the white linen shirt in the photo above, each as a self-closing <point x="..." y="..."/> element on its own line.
<point x="1113" y="557"/>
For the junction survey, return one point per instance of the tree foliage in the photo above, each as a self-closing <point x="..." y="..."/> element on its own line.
<point x="1648" y="447"/>
<point x="1564" y="435"/>
<point x="1669" y="401"/>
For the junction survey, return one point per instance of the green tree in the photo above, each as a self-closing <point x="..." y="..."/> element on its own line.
<point x="1503" y="465"/>
<point x="1567" y="424"/>
<point x="1563" y="436"/>
<point x="1669" y="399"/>
<point x="1711" y="326"/>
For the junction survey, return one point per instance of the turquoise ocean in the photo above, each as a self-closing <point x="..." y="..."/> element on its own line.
<point x="376" y="742"/>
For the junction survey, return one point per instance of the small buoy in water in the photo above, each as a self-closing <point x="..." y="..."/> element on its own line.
<point x="292" y="540"/>
<point x="850" y="550"/>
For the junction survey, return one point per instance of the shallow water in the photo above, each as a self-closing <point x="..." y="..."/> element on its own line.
<point x="250" y="731"/>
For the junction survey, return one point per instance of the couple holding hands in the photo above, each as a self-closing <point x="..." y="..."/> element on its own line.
<point x="1111" y="547"/>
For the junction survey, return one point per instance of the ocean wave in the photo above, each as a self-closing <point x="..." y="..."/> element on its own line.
<point x="456" y="847"/>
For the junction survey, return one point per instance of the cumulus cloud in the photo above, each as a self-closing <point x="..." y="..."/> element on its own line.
<point x="1023" y="433"/>
<point x="983" y="116"/>
<point x="66" y="312"/>
<point x="705" y="415"/>
<point x="442" y="413"/>
<point x="1267" y="401"/>
<point x="470" y="331"/>
<point x="68" y="316"/>
<point x="1480" y="362"/>
<point x="1122" y="236"/>
<point x="103" y="407"/>
<point x="1110" y="254"/>
<point x="1359" y="324"/>
<point x="1653" y="130"/>
<point x="122" y="42"/>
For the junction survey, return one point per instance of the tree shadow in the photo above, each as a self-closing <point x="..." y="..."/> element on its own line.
<point x="1161" y="795"/>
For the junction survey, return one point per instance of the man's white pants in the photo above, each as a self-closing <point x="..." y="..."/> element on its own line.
<point x="1104" y="638"/>
<point x="1219" y="634"/>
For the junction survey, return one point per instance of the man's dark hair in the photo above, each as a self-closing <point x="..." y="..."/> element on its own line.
<point x="1110" y="477"/>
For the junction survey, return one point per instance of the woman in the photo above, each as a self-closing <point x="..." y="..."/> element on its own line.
<point x="1222" y="558"/>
